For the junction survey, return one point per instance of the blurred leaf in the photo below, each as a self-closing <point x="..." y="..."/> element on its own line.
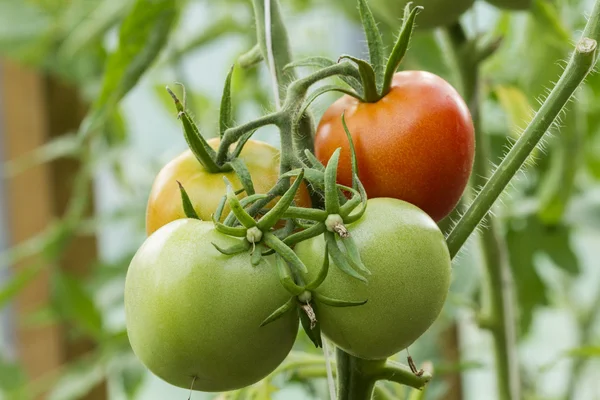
<point x="524" y="243"/>
<point x="12" y="376"/>
<point x="142" y="36"/>
<point x="74" y="303"/>
<point x="431" y="60"/>
<point x="24" y="31"/>
<point x="116" y="130"/>
<point x="541" y="64"/>
<point x="128" y="371"/>
<point x="132" y="378"/>
<point x="41" y="242"/>
<point x="548" y="14"/>
<point x="518" y="109"/>
<point x="92" y="28"/>
<point x="62" y="146"/>
<point x="204" y="109"/>
<point x="585" y="352"/>
<point x="217" y="29"/>
<point x="78" y="379"/>
<point x="18" y="281"/>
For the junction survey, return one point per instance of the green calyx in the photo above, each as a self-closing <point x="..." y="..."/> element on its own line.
<point x="258" y="235"/>
<point x="303" y="298"/>
<point x="204" y="153"/>
<point x="377" y="73"/>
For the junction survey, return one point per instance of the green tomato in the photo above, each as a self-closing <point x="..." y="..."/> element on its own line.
<point x="511" y="4"/>
<point x="436" y="13"/>
<point x="410" y="265"/>
<point x="194" y="314"/>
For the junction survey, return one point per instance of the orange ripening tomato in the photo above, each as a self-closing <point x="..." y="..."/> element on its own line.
<point x="206" y="189"/>
<point x="415" y="144"/>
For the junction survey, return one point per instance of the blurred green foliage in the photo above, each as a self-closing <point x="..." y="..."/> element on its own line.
<point x="104" y="48"/>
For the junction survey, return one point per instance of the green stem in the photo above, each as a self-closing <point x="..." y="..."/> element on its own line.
<point x="580" y="65"/>
<point x="355" y="382"/>
<point x="278" y="41"/>
<point x="357" y="377"/>
<point x="399" y="373"/>
<point x="233" y="134"/>
<point x="498" y="293"/>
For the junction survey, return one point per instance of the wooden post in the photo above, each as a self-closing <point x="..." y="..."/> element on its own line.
<point x="36" y="109"/>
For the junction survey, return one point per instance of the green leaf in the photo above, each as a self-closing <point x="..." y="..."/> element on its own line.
<point x="236" y="207"/>
<point x="76" y="304"/>
<point x="526" y="239"/>
<point x="585" y="352"/>
<point x="400" y="47"/>
<point x="103" y="17"/>
<point x="143" y="34"/>
<point x="331" y="302"/>
<point x="516" y="106"/>
<point x="313" y="332"/>
<point x="323" y="272"/>
<point x="367" y="76"/>
<point x="275" y="315"/>
<point x="188" y="207"/>
<point x="234" y="249"/>
<point x="241" y="170"/>
<point x="132" y="377"/>
<point x="332" y="201"/>
<point x="197" y="144"/>
<point x="285" y="252"/>
<point x="374" y="41"/>
<point x="339" y="258"/>
<point x="276" y="213"/>
<point x="314" y="161"/>
<point x="62" y="146"/>
<point x="17" y="282"/>
<point x="285" y="276"/>
<point x="305" y="234"/>
<point x="226" y="111"/>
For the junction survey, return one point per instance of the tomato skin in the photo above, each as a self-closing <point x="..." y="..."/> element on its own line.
<point x="410" y="265"/>
<point x="192" y="311"/>
<point x="511" y="4"/>
<point x="436" y="13"/>
<point x="416" y="144"/>
<point x="206" y="189"/>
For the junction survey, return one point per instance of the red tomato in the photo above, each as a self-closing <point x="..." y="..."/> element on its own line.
<point x="415" y="144"/>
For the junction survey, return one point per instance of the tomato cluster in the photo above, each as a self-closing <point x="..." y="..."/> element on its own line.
<point x="238" y="256"/>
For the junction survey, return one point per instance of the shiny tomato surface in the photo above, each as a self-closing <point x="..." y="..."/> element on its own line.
<point x="415" y="144"/>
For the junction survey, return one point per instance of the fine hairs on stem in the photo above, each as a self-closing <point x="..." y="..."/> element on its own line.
<point x="270" y="56"/>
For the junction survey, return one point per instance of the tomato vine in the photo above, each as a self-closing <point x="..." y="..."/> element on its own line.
<point x="340" y="210"/>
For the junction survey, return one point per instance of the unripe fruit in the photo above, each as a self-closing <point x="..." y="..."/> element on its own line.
<point x="410" y="277"/>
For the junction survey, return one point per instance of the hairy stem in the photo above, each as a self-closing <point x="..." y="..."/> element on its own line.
<point x="273" y="42"/>
<point x="274" y="45"/>
<point x="498" y="294"/>
<point x="579" y="66"/>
